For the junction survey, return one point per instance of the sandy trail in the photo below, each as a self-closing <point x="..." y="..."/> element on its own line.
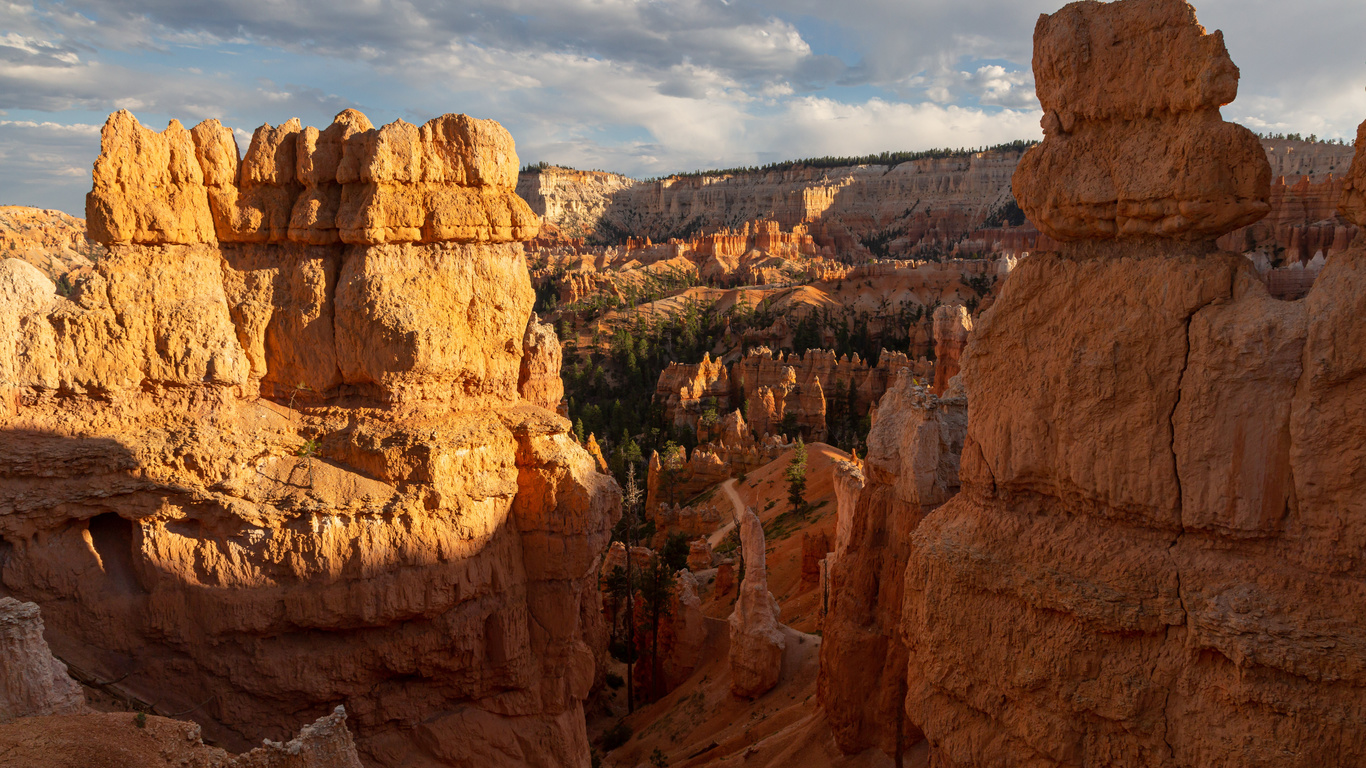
<point x="720" y="534"/>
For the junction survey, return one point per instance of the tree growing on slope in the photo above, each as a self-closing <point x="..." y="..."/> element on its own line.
<point x="796" y="479"/>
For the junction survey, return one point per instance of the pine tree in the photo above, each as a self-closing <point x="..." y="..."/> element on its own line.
<point x="796" y="479"/>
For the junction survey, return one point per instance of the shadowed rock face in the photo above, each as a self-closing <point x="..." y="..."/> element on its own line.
<point x="1156" y="556"/>
<point x="32" y="682"/>
<point x="287" y="447"/>
<point x="911" y="468"/>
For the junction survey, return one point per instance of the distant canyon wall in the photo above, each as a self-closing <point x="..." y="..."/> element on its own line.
<point x="938" y="206"/>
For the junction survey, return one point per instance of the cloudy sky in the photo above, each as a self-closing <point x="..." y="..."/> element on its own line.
<point x="643" y="87"/>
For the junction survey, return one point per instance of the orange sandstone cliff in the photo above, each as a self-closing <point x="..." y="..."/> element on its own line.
<point x="1156" y="555"/>
<point x="288" y="446"/>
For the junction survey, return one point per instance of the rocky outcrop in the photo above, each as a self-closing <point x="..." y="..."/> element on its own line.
<point x="574" y="201"/>
<point x="1354" y="188"/>
<point x="677" y="478"/>
<point x="1104" y="106"/>
<point x="773" y="386"/>
<point x="914" y="448"/>
<point x="683" y="632"/>
<point x="32" y="682"/>
<point x="699" y="554"/>
<point x="124" y="738"/>
<point x="52" y="241"/>
<point x="284" y="421"/>
<point x="757" y="640"/>
<point x="1155" y="556"/>
<point x="325" y="743"/>
<point x="952" y="327"/>
<point x="539" y="381"/>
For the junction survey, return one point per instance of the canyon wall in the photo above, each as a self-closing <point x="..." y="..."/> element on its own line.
<point x="287" y="446"/>
<point x="1155" y="557"/>
<point x="941" y="206"/>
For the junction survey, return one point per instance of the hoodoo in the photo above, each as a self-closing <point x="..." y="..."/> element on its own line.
<point x="288" y="446"/>
<point x="1156" y="555"/>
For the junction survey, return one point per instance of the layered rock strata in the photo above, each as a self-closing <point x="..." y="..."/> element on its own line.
<point x="914" y="448"/>
<point x="757" y="640"/>
<point x="288" y="446"/>
<point x="1156" y="553"/>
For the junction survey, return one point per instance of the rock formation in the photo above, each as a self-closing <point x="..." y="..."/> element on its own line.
<point x="1155" y="556"/>
<point x="32" y="682"/>
<point x="1354" y="190"/>
<point x="678" y="478"/>
<point x="156" y="742"/>
<point x="841" y="206"/>
<point x="757" y="640"/>
<point x="914" y="448"/>
<point x="683" y="632"/>
<point x="52" y="241"/>
<point x="1104" y="107"/>
<point x="952" y="326"/>
<point x="539" y="380"/>
<point x="773" y="386"/>
<point x="699" y="554"/>
<point x="277" y="452"/>
<point x="814" y="547"/>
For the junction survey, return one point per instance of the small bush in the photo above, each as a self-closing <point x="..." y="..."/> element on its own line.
<point x="658" y="759"/>
<point x="140" y="719"/>
<point x="614" y="681"/>
<point x="616" y="736"/>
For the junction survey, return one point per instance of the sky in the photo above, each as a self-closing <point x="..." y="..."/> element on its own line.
<point x="641" y="87"/>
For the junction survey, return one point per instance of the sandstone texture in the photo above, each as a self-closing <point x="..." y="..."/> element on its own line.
<point x="115" y="740"/>
<point x="757" y="640"/>
<point x="1354" y="192"/>
<point x="52" y="241"/>
<point x="952" y="327"/>
<point x="914" y="448"/>
<point x="1155" y="557"/>
<point x="32" y="682"/>
<point x="1134" y="145"/>
<point x="289" y="445"/>
<point x="683" y="633"/>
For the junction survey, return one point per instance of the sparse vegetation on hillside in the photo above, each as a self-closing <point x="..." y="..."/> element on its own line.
<point x="891" y="159"/>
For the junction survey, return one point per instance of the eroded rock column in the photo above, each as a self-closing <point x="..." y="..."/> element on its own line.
<point x="1155" y="559"/>
<point x="757" y="640"/>
<point x="290" y="445"/>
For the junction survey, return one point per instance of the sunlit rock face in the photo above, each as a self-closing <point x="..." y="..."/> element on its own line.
<point x="1134" y="146"/>
<point x="289" y="445"/>
<point x="1156" y="555"/>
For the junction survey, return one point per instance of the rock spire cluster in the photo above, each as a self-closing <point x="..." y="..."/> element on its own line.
<point x="292" y="444"/>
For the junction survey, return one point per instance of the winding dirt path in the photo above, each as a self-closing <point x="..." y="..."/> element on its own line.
<point x="736" y="502"/>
